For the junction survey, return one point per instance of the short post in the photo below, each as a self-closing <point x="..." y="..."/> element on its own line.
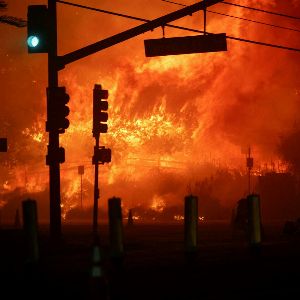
<point x="130" y="218"/>
<point x="254" y="220"/>
<point x="98" y="280"/>
<point x="115" y="228"/>
<point x="30" y="226"/>
<point x="190" y="224"/>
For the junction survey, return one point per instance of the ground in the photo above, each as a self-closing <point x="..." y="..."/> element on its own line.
<point x="154" y="265"/>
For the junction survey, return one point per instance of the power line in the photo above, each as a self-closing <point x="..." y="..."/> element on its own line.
<point x="239" y="18"/>
<point x="254" y="21"/>
<point x="180" y="4"/>
<point x="261" y="10"/>
<point x="118" y="14"/>
<point x="247" y="7"/>
<point x="178" y="27"/>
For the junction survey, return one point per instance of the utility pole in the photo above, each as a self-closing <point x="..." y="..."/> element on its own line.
<point x="96" y="191"/>
<point x="53" y="147"/>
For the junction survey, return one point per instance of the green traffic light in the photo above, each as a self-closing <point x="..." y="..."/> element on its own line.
<point x="33" y="41"/>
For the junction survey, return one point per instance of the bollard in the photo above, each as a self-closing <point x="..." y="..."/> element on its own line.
<point x="115" y="228"/>
<point x="254" y="219"/>
<point x="190" y="224"/>
<point x="30" y="228"/>
<point x="98" y="280"/>
<point x="130" y="218"/>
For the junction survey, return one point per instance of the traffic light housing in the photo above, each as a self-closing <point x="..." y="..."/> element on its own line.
<point x="37" y="29"/>
<point x="100" y="106"/>
<point x="57" y="110"/>
<point x="55" y="155"/>
<point x="102" y="155"/>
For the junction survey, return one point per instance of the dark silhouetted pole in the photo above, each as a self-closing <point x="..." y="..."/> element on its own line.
<point x="54" y="167"/>
<point x="101" y="154"/>
<point x="190" y="224"/>
<point x="254" y="220"/>
<point x="30" y="226"/>
<point x="96" y="192"/>
<point x="115" y="228"/>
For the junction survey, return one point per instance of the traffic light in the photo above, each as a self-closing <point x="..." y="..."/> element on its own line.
<point x="37" y="28"/>
<point x="55" y="155"/>
<point x="101" y="155"/>
<point x="99" y="108"/>
<point x="57" y="110"/>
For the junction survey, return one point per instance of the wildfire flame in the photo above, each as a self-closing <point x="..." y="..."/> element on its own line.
<point x="158" y="204"/>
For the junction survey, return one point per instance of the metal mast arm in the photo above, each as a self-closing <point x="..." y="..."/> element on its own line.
<point x="128" y="34"/>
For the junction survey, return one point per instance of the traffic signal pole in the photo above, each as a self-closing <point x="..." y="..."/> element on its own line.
<point x="54" y="167"/>
<point x="96" y="191"/>
<point x="45" y="20"/>
<point x="101" y="154"/>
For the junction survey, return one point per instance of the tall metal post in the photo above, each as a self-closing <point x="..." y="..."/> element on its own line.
<point x="54" y="168"/>
<point x="96" y="190"/>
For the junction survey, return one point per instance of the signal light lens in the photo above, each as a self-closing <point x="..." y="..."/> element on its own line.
<point x="33" y="41"/>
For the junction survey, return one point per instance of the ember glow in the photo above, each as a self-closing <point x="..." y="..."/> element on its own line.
<point x="173" y="121"/>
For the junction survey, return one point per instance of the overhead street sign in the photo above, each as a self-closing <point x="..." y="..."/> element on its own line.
<point x="186" y="45"/>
